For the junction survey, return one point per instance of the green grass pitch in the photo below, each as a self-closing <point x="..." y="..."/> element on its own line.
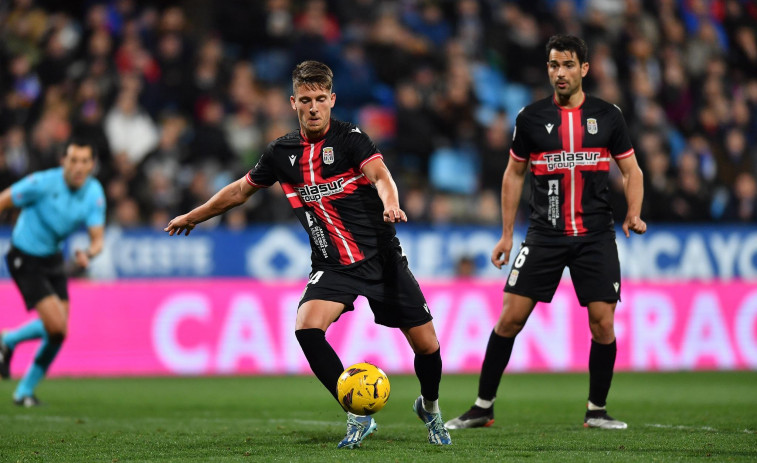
<point x="709" y="416"/>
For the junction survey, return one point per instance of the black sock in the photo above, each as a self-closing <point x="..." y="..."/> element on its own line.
<point x="428" y="369"/>
<point x="497" y="356"/>
<point x="601" y="365"/>
<point x="321" y="356"/>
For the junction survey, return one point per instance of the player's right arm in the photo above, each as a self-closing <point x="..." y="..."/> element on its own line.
<point x="512" y="187"/>
<point x="230" y="196"/>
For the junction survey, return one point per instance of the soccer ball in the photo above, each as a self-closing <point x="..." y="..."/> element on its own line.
<point x="363" y="389"/>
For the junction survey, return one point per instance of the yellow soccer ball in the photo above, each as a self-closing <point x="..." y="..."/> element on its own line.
<point x="363" y="389"/>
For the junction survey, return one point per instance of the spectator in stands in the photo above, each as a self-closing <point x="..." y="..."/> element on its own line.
<point x="742" y="205"/>
<point x="466" y="60"/>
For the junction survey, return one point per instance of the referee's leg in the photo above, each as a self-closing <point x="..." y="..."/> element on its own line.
<point x="54" y="315"/>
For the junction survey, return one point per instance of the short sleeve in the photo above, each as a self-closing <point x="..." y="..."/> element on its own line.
<point x="362" y="148"/>
<point x="29" y="189"/>
<point x="96" y="216"/>
<point x="620" y="142"/>
<point x="519" y="149"/>
<point x="263" y="174"/>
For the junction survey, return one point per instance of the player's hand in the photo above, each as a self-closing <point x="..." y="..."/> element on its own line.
<point x="634" y="224"/>
<point x="179" y="225"/>
<point x="501" y="252"/>
<point x="394" y="215"/>
<point x="81" y="259"/>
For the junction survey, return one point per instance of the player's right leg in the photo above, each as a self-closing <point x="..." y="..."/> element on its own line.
<point x="358" y="428"/>
<point x="314" y="316"/>
<point x="515" y="312"/>
<point x="313" y="319"/>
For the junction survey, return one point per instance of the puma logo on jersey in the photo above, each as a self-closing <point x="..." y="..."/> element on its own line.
<point x="292" y="158"/>
<point x="355" y="130"/>
<point x="549" y="127"/>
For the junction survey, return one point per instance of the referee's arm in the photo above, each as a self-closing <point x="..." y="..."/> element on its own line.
<point x="6" y="200"/>
<point x="96" y="241"/>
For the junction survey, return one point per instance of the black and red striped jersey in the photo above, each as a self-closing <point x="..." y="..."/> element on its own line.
<point x="570" y="152"/>
<point x="333" y="200"/>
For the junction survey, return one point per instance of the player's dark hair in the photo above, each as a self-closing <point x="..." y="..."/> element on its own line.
<point x="569" y="43"/>
<point x="81" y="140"/>
<point x="313" y="75"/>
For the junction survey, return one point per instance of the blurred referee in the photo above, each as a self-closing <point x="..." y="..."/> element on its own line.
<point x="54" y="204"/>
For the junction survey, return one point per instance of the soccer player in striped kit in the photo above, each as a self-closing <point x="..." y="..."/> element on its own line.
<point x="345" y="198"/>
<point x="569" y="138"/>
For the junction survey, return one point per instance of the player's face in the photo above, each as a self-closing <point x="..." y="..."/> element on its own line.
<point x="313" y="106"/>
<point x="565" y="73"/>
<point x="77" y="165"/>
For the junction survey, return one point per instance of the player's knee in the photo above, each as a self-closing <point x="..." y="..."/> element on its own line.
<point x="603" y="331"/>
<point x="509" y="326"/>
<point x="426" y="348"/>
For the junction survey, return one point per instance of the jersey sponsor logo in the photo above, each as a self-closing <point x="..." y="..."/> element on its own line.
<point x="553" y="196"/>
<point x="319" y="238"/>
<point x="292" y="158"/>
<point x="310" y="193"/>
<point x="566" y="160"/>
<point x="328" y="155"/>
<point x="549" y="127"/>
<point x="591" y="125"/>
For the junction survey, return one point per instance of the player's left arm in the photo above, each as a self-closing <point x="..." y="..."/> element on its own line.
<point x="96" y="241"/>
<point x="633" y="186"/>
<point x="378" y="174"/>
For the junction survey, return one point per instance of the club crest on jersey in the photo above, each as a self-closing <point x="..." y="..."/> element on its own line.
<point x="591" y="125"/>
<point x="328" y="155"/>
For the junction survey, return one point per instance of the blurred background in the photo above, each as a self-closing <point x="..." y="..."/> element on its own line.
<point x="182" y="98"/>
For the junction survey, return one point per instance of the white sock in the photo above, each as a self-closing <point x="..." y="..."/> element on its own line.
<point x="593" y="407"/>
<point x="431" y="406"/>
<point x="484" y="403"/>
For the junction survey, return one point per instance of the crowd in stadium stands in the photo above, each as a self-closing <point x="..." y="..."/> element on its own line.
<point x="182" y="97"/>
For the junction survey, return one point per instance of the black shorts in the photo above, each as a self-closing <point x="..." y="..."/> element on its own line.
<point x="594" y="270"/>
<point x="386" y="282"/>
<point x="37" y="277"/>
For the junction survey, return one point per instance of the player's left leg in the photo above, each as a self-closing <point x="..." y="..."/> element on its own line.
<point x="428" y="369"/>
<point x="54" y="315"/>
<point x="595" y="271"/>
<point x="601" y="365"/>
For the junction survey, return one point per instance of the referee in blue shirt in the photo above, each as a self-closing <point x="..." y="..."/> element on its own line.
<point x="54" y="203"/>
